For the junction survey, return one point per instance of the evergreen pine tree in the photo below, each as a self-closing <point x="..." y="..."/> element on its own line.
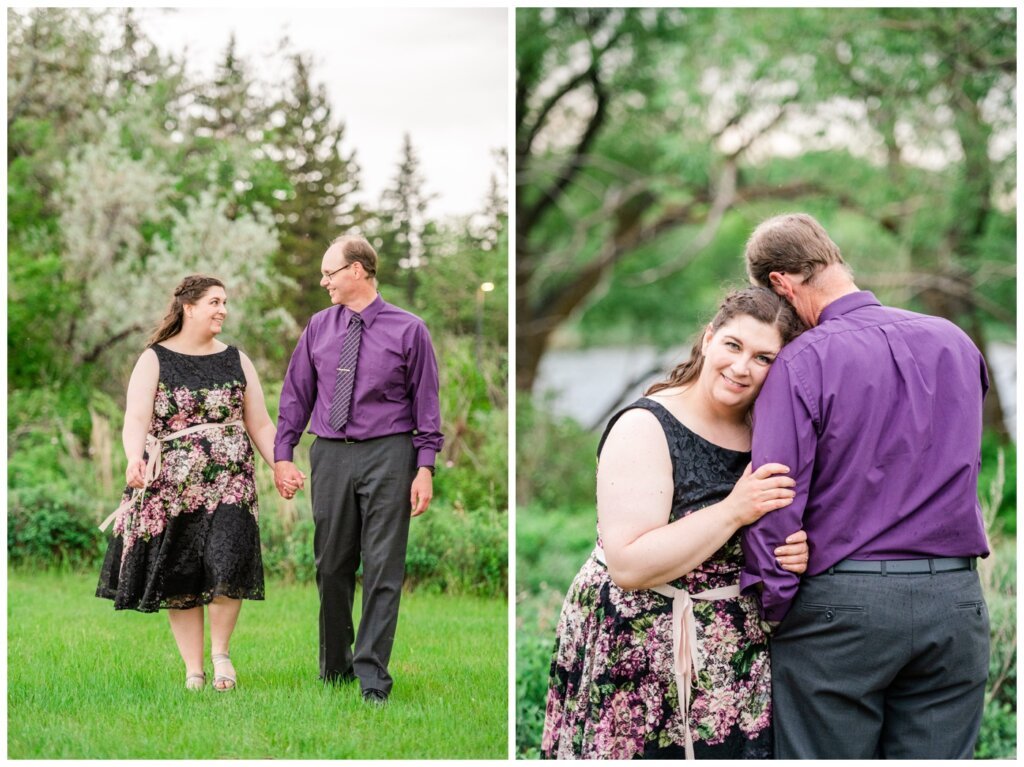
<point x="306" y="142"/>
<point x="403" y="232"/>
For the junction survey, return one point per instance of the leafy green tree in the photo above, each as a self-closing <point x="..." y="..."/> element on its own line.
<point x="121" y="207"/>
<point x="626" y="131"/>
<point x="649" y="140"/>
<point x="55" y="74"/>
<point x="938" y="88"/>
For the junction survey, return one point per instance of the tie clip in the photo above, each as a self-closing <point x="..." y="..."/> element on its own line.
<point x="344" y="370"/>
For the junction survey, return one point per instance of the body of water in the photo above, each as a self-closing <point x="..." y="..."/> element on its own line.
<point x="589" y="385"/>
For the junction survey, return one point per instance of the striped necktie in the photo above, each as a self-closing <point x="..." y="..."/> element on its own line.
<point x="341" y="405"/>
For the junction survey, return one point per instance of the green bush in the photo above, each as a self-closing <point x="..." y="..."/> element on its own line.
<point x="459" y="552"/>
<point x="288" y="555"/>
<point x="1006" y="508"/>
<point x="551" y="546"/>
<point x="556" y="459"/>
<point x="999" y="723"/>
<point x="998" y="739"/>
<point x="477" y="475"/>
<point x="449" y="551"/>
<point x="472" y="469"/>
<point x="50" y="526"/>
<point x="55" y="492"/>
<point x="533" y="664"/>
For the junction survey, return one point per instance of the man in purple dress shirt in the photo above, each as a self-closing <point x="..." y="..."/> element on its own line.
<point x="882" y="649"/>
<point x="364" y="377"/>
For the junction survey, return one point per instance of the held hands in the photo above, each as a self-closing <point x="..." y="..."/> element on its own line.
<point x="421" y="492"/>
<point x="135" y="475"/>
<point x="288" y="479"/>
<point x="793" y="556"/>
<point x="764" y="490"/>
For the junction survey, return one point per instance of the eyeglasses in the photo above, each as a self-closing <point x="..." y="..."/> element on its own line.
<point x="328" y="275"/>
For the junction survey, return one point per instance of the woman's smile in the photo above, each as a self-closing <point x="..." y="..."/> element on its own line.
<point x="736" y="385"/>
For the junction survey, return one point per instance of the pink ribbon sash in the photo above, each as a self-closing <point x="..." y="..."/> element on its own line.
<point x="153" y="464"/>
<point x="687" y="657"/>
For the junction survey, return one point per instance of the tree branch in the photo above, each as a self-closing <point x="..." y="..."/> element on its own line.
<point x="548" y="105"/>
<point x="724" y="197"/>
<point x="575" y="163"/>
<point x="916" y="283"/>
<point x="101" y="347"/>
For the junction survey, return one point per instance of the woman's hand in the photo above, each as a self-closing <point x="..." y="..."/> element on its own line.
<point x="757" y="493"/>
<point x="135" y="475"/>
<point x="793" y="556"/>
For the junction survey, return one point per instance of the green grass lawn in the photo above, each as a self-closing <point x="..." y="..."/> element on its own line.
<point x="85" y="682"/>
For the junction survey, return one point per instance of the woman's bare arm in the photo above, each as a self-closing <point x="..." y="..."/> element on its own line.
<point x="634" y="498"/>
<point x="258" y="424"/>
<point x="138" y="414"/>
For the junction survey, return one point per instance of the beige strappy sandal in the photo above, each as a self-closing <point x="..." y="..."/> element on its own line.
<point x="195" y="681"/>
<point x="222" y="658"/>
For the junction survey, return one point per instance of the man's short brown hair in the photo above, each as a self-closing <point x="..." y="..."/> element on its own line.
<point x="793" y="243"/>
<point x="357" y="249"/>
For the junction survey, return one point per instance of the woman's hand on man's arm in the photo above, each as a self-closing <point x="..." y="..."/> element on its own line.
<point x="794" y="554"/>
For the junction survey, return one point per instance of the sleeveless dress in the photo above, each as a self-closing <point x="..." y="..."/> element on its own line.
<point x="194" y="535"/>
<point x="612" y="690"/>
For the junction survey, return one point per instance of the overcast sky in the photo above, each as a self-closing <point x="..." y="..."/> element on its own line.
<point x="439" y="74"/>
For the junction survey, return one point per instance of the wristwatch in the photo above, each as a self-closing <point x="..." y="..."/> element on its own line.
<point x="428" y="468"/>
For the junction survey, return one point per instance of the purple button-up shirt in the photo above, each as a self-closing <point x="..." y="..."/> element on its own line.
<point x="396" y="386"/>
<point x="877" y="413"/>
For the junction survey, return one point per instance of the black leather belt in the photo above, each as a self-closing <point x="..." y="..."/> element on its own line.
<point x="904" y="566"/>
<point x="348" y="441"/>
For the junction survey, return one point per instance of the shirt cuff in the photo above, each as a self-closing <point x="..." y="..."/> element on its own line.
<point x="773" y="603"/>
<point x="748" y="583"/>
<point x="425" y="457"/>
<point x="283" y="452"/>
<point x="776" y="601"/>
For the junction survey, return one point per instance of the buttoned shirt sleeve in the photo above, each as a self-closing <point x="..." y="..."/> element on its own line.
<point x="784" y="432"/>
<point x="423" y="388"/>
<point x="297" y="398"/>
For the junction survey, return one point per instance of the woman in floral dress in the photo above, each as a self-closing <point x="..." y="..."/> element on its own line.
<point x="657" y="655"/>
<point x="186" y="535"/>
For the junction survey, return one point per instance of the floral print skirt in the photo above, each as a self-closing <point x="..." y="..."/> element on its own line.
<point x="612" y="691"/>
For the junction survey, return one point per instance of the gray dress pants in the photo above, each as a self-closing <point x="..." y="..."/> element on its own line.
<point x="361" y="508"/>
<point x="881" y="667"/>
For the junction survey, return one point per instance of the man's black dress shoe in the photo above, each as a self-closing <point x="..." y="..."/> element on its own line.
<point x="375" y="697"/>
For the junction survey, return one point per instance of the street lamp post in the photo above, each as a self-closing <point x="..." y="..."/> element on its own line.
<point x="484" y="288"/>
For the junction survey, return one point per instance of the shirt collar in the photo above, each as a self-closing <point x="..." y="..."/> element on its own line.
<point x="368" y="314"/>
<point x="848" y="303"/>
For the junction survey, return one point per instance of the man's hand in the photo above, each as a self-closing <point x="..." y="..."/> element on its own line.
<point x="288" y="479"/>
<point x="422" y="491"/>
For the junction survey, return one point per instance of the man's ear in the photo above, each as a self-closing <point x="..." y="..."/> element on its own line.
<point x="781" y="284"/>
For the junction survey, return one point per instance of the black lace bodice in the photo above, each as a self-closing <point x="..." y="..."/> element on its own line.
<point x="703" y="474"/>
